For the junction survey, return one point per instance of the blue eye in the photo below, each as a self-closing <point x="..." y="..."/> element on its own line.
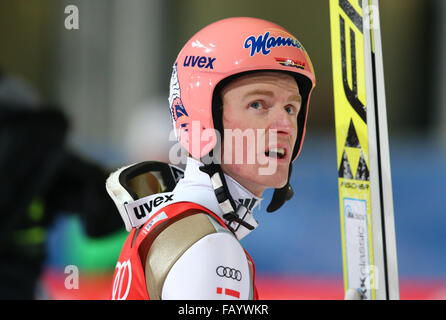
<point x="290" y="109"/>
<point x="255" y="105"/>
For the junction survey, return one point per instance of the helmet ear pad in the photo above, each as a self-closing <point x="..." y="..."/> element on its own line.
<point x="304" y="84"/>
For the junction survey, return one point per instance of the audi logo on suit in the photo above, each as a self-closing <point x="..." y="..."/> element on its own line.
<point x="228" y="272"/>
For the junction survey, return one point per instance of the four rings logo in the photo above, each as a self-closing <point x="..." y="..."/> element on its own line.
<point x="229" y="273"/>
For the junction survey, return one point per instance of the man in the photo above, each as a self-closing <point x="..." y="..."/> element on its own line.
<point x="239" y="99"/>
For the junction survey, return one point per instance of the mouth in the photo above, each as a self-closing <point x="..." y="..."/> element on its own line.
<point x="276" y="153"/>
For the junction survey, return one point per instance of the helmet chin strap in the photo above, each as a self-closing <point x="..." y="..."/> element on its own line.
<point x="231" y="211"/>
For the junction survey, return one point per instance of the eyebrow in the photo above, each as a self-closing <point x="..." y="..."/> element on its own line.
<point x="295" y="97"/>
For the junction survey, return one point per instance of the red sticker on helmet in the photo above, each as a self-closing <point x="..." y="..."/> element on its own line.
<point x="291" y="63"/>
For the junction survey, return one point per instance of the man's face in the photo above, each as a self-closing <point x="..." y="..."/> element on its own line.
<point x="260" y="110"/>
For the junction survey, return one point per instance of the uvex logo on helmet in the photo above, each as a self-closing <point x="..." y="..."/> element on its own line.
<point x="264" y="42"/>
<point x="199" y="61"/>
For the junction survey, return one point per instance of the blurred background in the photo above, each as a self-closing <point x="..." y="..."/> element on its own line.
<point x="110" y="78"/>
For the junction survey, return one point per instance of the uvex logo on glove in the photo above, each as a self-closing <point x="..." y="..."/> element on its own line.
<point x="140" y="211"/>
